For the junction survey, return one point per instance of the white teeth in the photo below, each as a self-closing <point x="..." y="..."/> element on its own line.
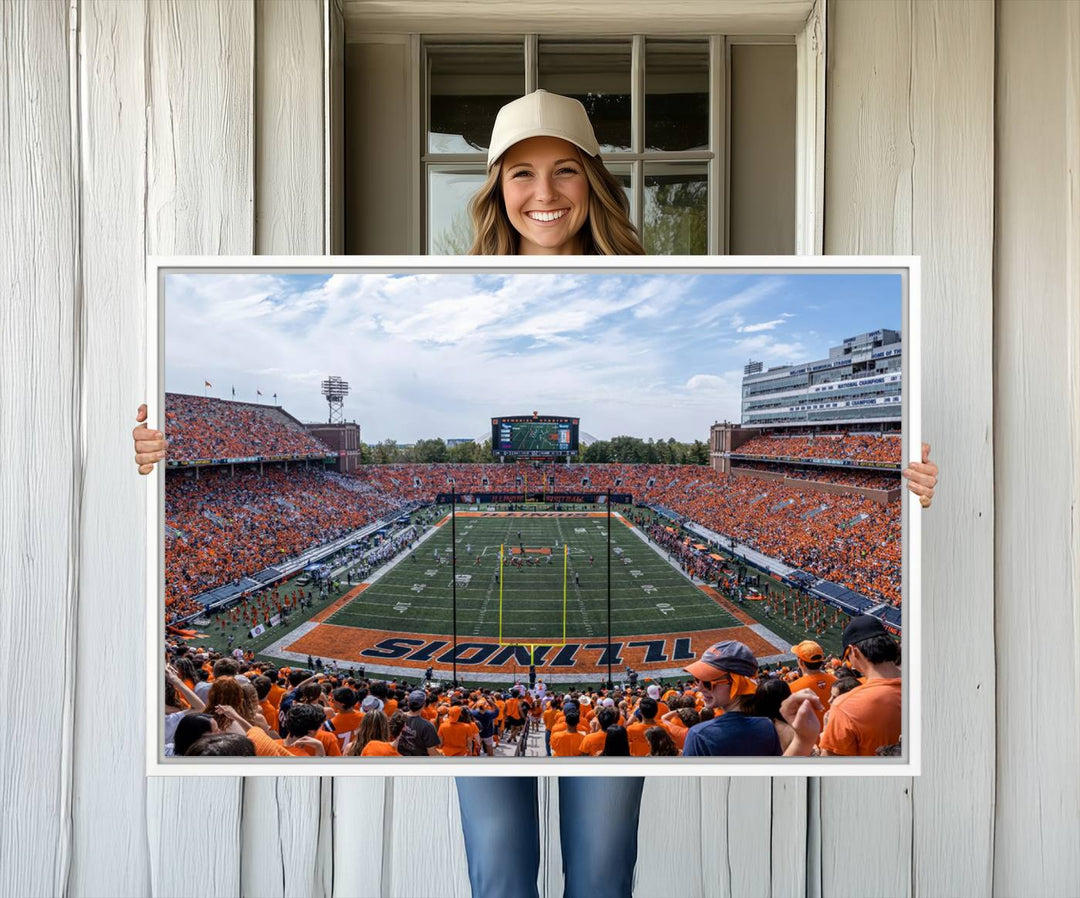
<point x="546" y="216"/>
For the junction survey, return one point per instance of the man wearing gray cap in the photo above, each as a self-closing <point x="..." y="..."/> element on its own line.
<point x="426" y="739"/>
<point x="725" y="676"/>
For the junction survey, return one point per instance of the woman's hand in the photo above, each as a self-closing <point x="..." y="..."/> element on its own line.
<point x="149" y="444"/>
<point x="922" y="477"/>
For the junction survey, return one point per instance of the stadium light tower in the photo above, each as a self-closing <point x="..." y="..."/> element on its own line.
<point x="335" y="390"/>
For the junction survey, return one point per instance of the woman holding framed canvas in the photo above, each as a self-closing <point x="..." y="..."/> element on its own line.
<point x="547" y="193"/>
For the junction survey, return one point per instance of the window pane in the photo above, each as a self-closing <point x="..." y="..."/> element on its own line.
<point x="467" y="85"/>
<point x="449" y="192"/>
<point x="676" y="95"/>
<point x="676" y="209"/>
<point x="597" y="74"/>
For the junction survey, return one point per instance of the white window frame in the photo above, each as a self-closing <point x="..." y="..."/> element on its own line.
<point x="809" y="42"/>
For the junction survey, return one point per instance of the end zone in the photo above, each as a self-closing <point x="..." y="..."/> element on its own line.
<point x="484" y="659"/>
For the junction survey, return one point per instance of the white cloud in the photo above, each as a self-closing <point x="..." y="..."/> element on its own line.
<point x="762" y="326"/>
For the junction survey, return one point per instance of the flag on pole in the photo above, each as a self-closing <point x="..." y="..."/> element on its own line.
<point x="275" y="397"/>
<point x="207" y="383"/>
<point x="258" y="392"/>
<point x="234" y="392"/>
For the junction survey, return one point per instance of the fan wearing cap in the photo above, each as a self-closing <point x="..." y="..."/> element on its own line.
<point x="425" y="739"/>
<point x="547" y="191"/>
<point x="869" y="716"/>
<point x="725" y="676"/>
<point x="811" y="658"/>
<point x="653" y="692"/>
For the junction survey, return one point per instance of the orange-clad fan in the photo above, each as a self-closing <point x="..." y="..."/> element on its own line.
<point x="811" y="658"/>
<point x="868" y="717"/>
<point x="566" y="743"/>
<point x="458" y="736"/>
<point x="345" y="722"/>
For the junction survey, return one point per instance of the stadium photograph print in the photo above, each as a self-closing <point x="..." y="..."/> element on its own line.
<point x="663" y="534"/>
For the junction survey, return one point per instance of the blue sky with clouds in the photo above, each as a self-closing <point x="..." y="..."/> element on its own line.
<point x="437" y="354"/>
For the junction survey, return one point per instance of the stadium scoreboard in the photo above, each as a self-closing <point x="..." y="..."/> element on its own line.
<point x="535" y="435"/>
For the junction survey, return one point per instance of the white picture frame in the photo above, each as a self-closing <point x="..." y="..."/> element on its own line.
<point x="909" y="764"/>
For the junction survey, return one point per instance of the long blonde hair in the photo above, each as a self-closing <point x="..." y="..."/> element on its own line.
<point x="608" y="230"/>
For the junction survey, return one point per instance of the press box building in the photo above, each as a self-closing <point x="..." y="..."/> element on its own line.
<point x="858" y="385"/>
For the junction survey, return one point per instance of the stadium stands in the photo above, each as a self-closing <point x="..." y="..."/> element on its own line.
<point x="205" y="428"/>
<point x="855" y="447"/>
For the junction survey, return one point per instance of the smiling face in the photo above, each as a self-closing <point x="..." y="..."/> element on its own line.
<point x="546" y="195"/>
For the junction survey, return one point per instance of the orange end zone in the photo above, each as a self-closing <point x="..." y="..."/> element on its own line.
<point x="349" y="645"/>
<point x="529" y="550"/>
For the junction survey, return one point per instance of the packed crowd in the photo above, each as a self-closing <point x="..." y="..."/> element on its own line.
<point x="846" y="539"/>
<point x="201" y="427"/>
<point x="874" y="480"/>
<point x="230" y="705"/>
<point x="222" y="527"/>
<point x="856" y="447"/>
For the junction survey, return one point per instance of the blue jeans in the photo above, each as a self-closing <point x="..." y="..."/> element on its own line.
<point x="598" y="821"/>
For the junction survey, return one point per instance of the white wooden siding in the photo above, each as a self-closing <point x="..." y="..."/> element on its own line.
<point x="1036" y="305"/>
<point x="953" y="132"/>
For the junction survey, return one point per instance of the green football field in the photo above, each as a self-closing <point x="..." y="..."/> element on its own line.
<point x="648" y="594"/>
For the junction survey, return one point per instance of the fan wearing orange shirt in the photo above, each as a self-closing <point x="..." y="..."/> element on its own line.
<point x="678" y="722"/>
<point x="643" y="718"/>
<point x="868" y="717"/>
<point x="269" y="709"/>
<point x="302" y="723"/>
<point x="276" y="692"/>
<point x="653" y="692"/>
<point x="551" y="713"/>
<point x="458" y="735"/>
<point x="593" y="744"/>
<point x="811" y="659"/>
<point x="514" y="716"/>
<point x="348" y="716"/>
<point x="585" y="710"/>
<point x="567" y="743"/>
<point x="311" y="694"/>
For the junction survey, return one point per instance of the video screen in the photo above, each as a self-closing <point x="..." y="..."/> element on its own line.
<point x="542" y="436"/>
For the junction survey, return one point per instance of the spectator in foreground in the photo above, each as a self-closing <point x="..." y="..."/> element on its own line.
<point x="567" y="743"/>
<point x="725" y="677"/>
<point x="617" y="742"/>
<point x="191" y="728"/>
<point x="811" y="658"/>
<point x="766" y="703"/>
<point x="869" y="716"/>
<point x="374" y="727"/>
<point x="661" y="745"/>
<point x="425" y="738"/>
<point x="222" y="745"/>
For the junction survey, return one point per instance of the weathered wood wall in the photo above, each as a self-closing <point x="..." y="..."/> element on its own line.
<point x="953" y="132"/>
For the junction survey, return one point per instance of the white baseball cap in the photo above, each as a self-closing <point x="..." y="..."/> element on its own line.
<point x="653" y="691"/>
<point x="541" y="114"/>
